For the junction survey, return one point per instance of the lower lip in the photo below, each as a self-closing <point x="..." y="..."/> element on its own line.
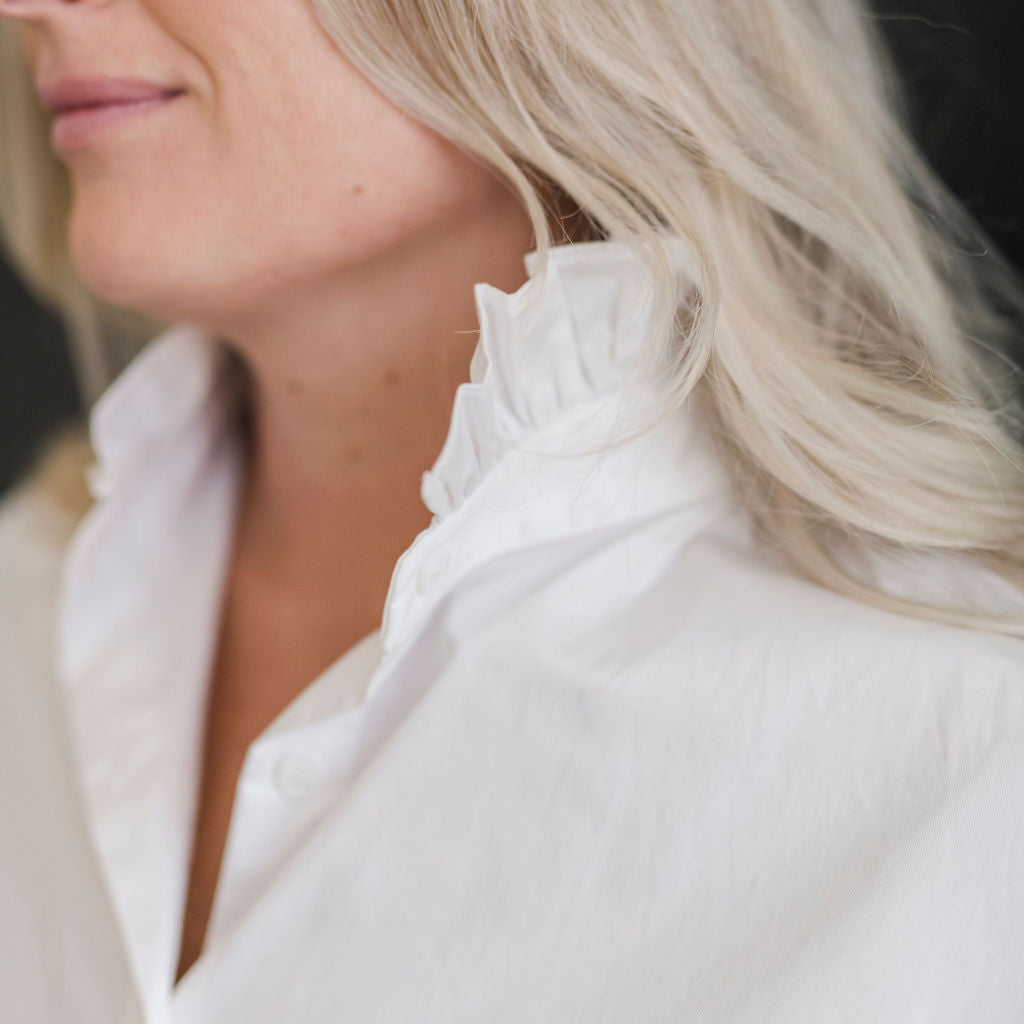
<point x="78" y="128"/>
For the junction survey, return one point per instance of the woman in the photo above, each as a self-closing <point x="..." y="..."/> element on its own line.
<point x="560" y="558"/>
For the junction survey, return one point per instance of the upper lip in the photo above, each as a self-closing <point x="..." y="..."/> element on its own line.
<point x="69" y="93"/>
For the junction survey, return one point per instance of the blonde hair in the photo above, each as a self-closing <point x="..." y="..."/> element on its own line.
<point x="850" y="320"/>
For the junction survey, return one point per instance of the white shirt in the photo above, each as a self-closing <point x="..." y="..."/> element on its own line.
<point x="607" y="759"/>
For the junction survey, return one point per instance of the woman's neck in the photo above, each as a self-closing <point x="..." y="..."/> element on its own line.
<point x="348" y="403"/>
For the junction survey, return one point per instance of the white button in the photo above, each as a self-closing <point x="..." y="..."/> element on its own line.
<point x="432" y="571"/>
<point x="297" y="776"/>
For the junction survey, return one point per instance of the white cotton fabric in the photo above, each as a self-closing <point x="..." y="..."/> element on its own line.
<point x="606" y="760"/>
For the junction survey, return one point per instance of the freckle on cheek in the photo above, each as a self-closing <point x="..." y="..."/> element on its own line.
<point x="295" y="387"/>
<point x="354" y="454"/>
<point x="391" y="378"/>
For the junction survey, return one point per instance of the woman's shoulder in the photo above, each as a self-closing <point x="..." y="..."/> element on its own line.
<point x="850" y="638"/>
<point x="716" y="603"/>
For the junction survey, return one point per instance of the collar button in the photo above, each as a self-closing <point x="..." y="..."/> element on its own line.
<point x="433" y="571"/>
<point x="297" y="776"/>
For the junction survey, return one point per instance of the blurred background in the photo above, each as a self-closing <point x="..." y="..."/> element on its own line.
<point x="960" y="63"/>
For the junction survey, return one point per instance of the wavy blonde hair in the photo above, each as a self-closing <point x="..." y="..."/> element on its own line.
<point x="851" y="322"/>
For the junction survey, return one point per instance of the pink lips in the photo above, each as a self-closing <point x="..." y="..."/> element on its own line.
<point x="83" y="106"/>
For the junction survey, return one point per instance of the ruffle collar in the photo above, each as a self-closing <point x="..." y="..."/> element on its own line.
<point x="592" y="311"/>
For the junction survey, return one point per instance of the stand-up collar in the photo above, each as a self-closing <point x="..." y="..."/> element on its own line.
<point x="559" y="342"/>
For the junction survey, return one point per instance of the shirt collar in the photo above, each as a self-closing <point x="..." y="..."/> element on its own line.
<point x="560" y="341"/>
<point x="550" y="384"/>
<point x="589" y="322"/>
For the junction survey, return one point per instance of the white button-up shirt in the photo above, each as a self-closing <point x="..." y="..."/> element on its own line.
<point x="606" y="760"/>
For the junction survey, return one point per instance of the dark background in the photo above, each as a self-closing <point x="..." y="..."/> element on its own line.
<point x="958" y="59"/>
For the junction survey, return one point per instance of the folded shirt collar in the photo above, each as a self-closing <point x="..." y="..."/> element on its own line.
<point x="170" y="384"/>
